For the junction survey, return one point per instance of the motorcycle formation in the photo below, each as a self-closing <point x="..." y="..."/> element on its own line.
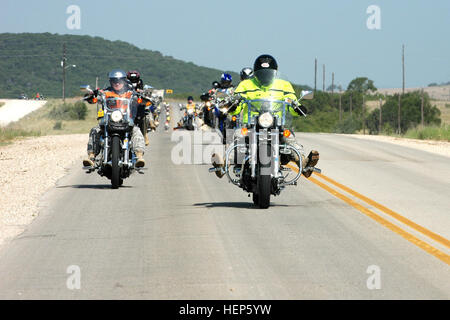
<point x="125" y="117"/>
<point x="254" y="120"/>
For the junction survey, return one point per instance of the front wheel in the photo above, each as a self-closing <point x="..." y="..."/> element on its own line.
<point x="264" y="191"/>
<point x="115" y="157"/>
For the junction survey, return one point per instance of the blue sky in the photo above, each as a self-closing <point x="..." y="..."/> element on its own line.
<point x="229" y="35"/>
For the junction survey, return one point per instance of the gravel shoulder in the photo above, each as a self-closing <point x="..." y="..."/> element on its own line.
<point x="29" y="168"/>
<point x="437" y="147"/>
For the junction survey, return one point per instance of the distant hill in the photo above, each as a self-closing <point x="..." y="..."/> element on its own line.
<point x="31" y="62"/>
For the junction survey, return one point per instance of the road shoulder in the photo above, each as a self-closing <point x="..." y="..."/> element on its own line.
<point x="29" y="168"/>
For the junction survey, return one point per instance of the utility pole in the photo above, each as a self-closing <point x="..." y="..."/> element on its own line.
<point x="315" y="75"/>
<point x="340" y="107"/>
<point x="379" y="123"/>
<point x="351" y="102"/>
<point x="332" y="82"/>
<point x="96" y="82"/>
<point x="398" y="117"/>
<point x="421" y="109"/>
<point x="323" y="78"/>
<point x="363" y="114"/>
<point x="63" y="65"/>
<point x="403" y="68"/>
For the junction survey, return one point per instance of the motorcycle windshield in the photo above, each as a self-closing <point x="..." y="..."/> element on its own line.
<point x="277" y="108"/>
<point x="122" y="104"/>
<point x="222" y="94"/>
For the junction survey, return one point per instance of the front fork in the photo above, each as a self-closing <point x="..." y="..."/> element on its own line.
<point x="263" y="138"/>
<point x="125" y="147"/>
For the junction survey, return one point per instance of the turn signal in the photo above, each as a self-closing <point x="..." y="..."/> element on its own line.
<point x="139" y="100"/>
<point x="233" y="118"/>
<point x="148" y="103"/>
<point x="286" y="133"/>
<point x="94" y="100"/>
<point x="244" y="131"/>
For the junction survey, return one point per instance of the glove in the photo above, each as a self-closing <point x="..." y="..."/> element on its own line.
<point x="300" y="109"/>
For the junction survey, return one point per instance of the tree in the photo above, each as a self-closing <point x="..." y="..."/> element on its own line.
<point x="361" y="85"/>
<point x="410" y="112"/>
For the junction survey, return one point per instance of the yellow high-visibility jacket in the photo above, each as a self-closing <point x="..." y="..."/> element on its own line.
<point x="250" y="89"/>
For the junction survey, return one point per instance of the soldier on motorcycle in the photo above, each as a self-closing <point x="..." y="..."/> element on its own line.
<point x="121" y="88"/>
<point x="138" y="85"/>
<point x="135" y="79"/>
<point x="264" y="84"/>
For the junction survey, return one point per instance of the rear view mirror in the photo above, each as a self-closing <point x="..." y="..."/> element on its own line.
<point x="86" y="88"/>
<point x="307" y="95"/>
<point x="204" y="97"/>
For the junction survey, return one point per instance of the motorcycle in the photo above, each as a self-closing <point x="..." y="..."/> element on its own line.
<point x="189" y="119"/>
<point x="256" y="161"/>
<point x="142" y="114"/>
<point x="221" y="97"/>
<point x="116" y="161"/>
<point x="207" y="110"/>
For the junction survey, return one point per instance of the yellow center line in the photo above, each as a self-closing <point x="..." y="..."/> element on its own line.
<point x="388" y="211"/>
<point x="411" y="238"/>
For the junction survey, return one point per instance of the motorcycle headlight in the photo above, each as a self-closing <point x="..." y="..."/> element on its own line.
<point x="190" y="111"/>
<point x="208" y="104"/>
<point x="265" y="120"/>
<point x="116" y="116"/>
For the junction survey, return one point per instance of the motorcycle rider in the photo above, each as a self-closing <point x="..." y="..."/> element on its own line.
<point x="226" y="89"/>
<point x="138" y="85"/>
<point x="226" y="81"/>
<point x="135" y="78"/>
<point x="264" y="84"/>
<point x="189" y="106"/>
<point x="119" y="87"/>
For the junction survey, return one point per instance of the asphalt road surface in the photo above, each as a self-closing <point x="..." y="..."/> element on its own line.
<point x="15" y="109"/>
<point x="178" y="232"/>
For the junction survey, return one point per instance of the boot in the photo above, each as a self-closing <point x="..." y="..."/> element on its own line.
<point x="89" y="162"/>
<point x="140" y="162"/>
<point x="313" y="158"/>
<point x="217" y="162"/>
<point x="147" y="141"/>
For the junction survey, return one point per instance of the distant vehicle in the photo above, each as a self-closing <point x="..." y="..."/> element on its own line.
<point x="23" y="96"/>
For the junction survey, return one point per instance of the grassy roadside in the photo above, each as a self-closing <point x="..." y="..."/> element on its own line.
<point x="54" y="118"/>
<point x="441" y="133"/>
<point x="1" y="104"/>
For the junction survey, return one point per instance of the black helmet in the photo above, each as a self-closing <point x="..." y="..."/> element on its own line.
<point x="133" y="76"/>
<point x="246" y="73"/>
<point x="190" y="98"/>
<point x="118" y="76"/>
<point x="265" y="69"/>
<point x="216" y="84"/>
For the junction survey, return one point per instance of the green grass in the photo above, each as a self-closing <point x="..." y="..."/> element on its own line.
<point x="8" y="134"/>
<point x="1" y="104"/>
<point x="429" y="133"/>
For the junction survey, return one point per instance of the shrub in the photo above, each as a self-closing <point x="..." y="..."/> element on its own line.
<point x="58" y="125"/>
<point x="67" y="111"/>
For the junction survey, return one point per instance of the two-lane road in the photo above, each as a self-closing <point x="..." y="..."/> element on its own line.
<point x="178" y="232"/>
